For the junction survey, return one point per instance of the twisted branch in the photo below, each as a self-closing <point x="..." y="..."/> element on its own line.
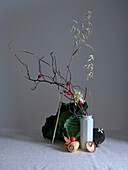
<point x="53" y="80"/>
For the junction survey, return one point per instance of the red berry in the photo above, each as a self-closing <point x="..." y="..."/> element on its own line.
<point x="68" y="83"/>
<point x="80" y="103"/>
<point x="39" y="76"/>
<point x="67" y="66"/>
<point x="69" y="93"/>
<point x="65" y="91"/>
<point x="72" y="139"/>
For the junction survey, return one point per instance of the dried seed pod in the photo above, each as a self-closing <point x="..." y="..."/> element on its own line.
<point x="73" y="146"/>
<point x="90" y="146"/>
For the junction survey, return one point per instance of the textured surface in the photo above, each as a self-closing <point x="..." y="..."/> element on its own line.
<point x="27" y="151"/>
<point x="41" y="26"/>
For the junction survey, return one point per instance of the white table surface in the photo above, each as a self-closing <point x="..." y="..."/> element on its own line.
<point x="26" y="150"/>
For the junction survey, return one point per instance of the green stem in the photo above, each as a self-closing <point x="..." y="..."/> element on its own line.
<point x="60" y="103"/>
<point x="90" y="99"/>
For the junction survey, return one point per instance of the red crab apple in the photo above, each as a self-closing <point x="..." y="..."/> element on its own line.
<point x="65" y="91"/>
<point x="80" y="103"/>
<point x="69" y="93"/>
<point x="72" y="139"/>
<point x="68" y="83"/>
<point x="39" y="76"/>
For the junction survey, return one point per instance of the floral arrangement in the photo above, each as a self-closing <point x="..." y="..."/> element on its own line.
<point x="66" y="122"/>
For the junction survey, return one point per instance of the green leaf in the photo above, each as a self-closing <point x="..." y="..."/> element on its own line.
<point x="68" y="123"/>
<point x="64" y="107"/>
<point x="72" y="126"/>
<point x="48" y="129"/>
<point x="63" y="117"/>
<point x="79" y="112"/>
<point x="77" y="136"/>
<point x="65" y="113"/>
<point x="86" y="105"/>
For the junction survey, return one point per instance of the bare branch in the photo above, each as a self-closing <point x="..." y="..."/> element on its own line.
<point x="28" y="52"/>
<point x="73" y="112"/>
<point x="67" y="96"/>
<point x="26" y="66"/>
<point x="44" y="61"/>
<point x="9" y="45"/>
<point x="50" y="79"/>
<point x="36" y="84"/>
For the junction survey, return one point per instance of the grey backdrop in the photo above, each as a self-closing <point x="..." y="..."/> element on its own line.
<point x="41" y="26"/>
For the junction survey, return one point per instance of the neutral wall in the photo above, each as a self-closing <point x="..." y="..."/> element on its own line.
<point x="42" y="27"/>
